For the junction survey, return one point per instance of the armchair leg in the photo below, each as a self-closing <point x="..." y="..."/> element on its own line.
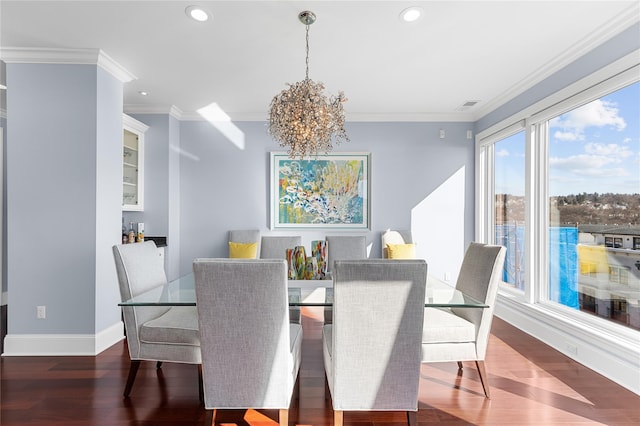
<point x="338" y="417"/>
<point x="412" y="418"/>
<point x="133" y="370"/>
<point x="283" y="418"/>
<point x="483" y="378"/>
<point x="158" y="365"/>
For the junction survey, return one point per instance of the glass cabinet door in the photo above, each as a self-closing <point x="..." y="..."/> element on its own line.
<point x="133" y="165"/>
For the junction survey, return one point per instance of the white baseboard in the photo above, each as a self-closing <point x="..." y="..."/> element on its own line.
<point x="63" y="344"/>
<point x="612" y="356"/>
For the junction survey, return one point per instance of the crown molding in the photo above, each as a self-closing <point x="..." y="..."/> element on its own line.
<point x="171" y="110"/>
<point x="35" y="55"/>
<point x="355" y="117"/>
<point x="615" y="26"/>
<point x="132" y="123"/>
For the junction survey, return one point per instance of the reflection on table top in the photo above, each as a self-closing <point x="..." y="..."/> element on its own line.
<point x="181" y="292"/>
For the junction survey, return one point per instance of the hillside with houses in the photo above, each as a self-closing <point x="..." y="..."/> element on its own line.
<point x="576" y="209"/>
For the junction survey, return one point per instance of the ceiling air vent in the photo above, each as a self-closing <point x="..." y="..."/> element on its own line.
<point x="465" y="106"/>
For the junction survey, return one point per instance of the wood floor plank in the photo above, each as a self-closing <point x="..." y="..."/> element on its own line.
<point x="531" y="384"/>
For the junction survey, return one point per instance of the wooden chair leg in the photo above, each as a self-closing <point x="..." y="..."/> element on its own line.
<point x="200" y="385"/>
<point x="283" y="418"/>
<point x="133" y="370"/>
<point x="327" y="391"/>
<point x="338" y="417"/>
<point x="412" y="418"/>
<point x="459" y="365"/>
<point x="209" y="417"/>
<point x="483" y="378"/>
<point x="158" y="365"/>
<point x="296" y="388"/>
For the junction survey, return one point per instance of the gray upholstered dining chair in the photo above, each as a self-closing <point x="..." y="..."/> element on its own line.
<point x="154" y="333"/>
<point x="462" y="334"/>
<point x="342" y="247"/>
<point x="251" y="352"/>
<point x="372" y="349"/>
<point x="245" y="236"/>
<point x="401" y="236"/>
<point x="274" y="247"/>
<point x="345" y="247"/>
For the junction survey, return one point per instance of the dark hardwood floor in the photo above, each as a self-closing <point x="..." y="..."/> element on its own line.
<point x="531" y="384"/>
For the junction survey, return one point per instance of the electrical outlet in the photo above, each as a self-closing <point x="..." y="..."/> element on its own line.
<point x="447" y="276"/>
<point x="41" y="312"/>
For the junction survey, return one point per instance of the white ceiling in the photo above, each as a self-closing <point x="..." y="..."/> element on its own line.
<point x="486" y="51"/>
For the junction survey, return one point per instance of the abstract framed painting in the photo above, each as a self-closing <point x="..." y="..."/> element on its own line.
<point x="327" y="191"/>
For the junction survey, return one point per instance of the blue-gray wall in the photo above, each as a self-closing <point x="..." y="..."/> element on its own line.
<point x="63" y="157"/>
<point x="223" y="187"/>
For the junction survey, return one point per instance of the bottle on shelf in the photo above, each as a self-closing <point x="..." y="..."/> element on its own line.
<point x="125" y="236"/>
<point x="140" y="232"/>
<point x="132" y="233"/>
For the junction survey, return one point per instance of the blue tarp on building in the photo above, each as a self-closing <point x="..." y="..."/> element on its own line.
<point x="563" y="261"/>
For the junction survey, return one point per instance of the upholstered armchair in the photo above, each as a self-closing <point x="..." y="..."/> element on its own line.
<point x="154" y="333"/>
<point x="462" y="334"/>
<point x="251" y="352"/>
<point x="372" y="349"/>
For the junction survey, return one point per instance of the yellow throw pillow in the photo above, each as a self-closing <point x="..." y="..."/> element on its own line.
<point x="243" y="250"/>
<point x="401" y="251"/>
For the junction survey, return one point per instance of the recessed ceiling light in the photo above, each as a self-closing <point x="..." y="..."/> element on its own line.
<point x="411" y="14"/>
<point x="143" y="93"/>
<point x="197" y="13"/>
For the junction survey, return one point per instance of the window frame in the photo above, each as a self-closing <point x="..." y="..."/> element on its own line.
<point x="534" y="120"/>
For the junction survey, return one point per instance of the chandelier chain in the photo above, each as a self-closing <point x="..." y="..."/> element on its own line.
<point x="307" y="58"/>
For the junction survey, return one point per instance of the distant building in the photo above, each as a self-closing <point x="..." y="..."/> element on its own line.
<point x="593" y="268"/>
<point x="609" y="272"/>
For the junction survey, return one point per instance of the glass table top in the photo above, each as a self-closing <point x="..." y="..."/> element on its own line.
<point x="181" y="292"/>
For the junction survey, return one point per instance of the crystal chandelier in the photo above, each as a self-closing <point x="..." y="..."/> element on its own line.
<point x="302" y="118"/>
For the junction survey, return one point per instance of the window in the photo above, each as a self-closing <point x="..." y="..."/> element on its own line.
<point x="619" y="275"/>
<point x="592" y="186"/>
<point x="617" y="243"/>
<point x="509" y="205"/>
<point x="553" y="187"/>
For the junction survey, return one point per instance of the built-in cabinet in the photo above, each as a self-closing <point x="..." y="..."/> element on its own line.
<point x="133" y="164"/>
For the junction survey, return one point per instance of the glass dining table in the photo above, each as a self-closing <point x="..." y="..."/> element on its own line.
<point x="181" y="292"/>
